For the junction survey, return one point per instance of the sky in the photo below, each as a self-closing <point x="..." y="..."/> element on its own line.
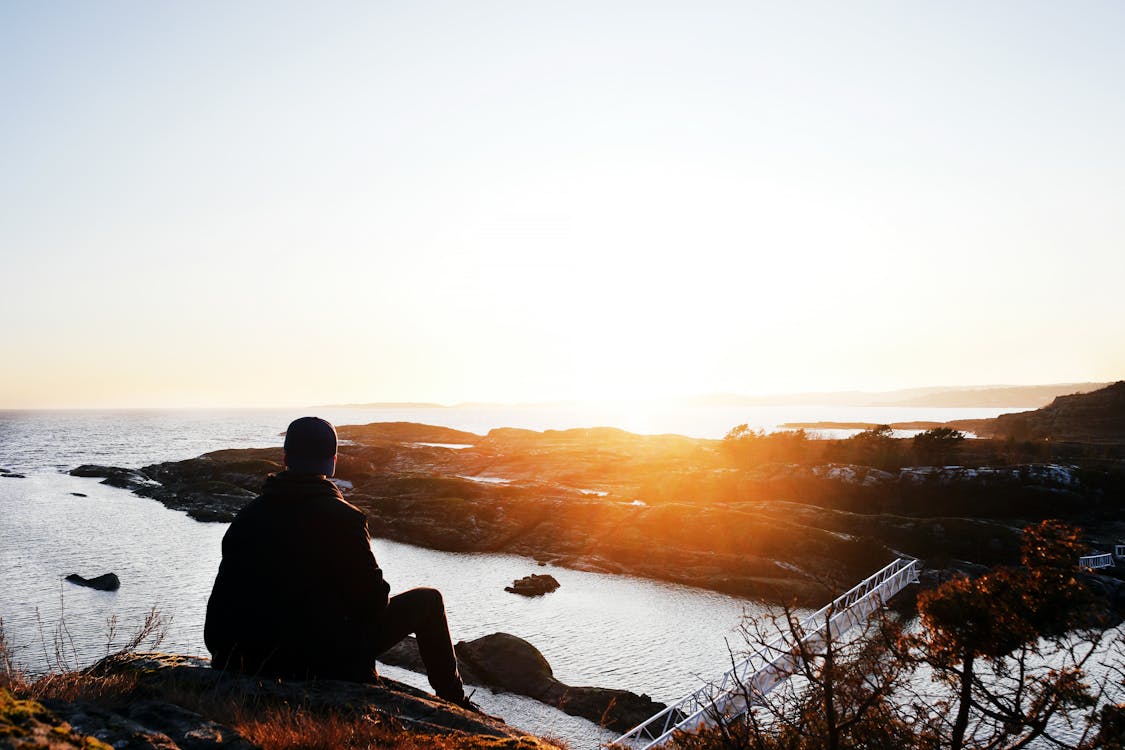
<point x="273" y="203"/>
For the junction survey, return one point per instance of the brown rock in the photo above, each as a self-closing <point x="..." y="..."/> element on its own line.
<point x="104" y="582"/>
<point x="508" y="663"/>
<point x="533" y="585"/>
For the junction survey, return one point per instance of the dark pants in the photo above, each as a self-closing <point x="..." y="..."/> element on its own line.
<point x="422" y="612"/>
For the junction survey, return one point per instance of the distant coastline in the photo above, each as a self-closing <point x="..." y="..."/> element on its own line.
<point x="383" y="405"/>
<point x="1016" y="397"/>
<point x="860" y="425"/>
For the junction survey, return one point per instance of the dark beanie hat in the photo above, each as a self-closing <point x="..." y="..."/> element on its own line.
<point x="310" y="446"/>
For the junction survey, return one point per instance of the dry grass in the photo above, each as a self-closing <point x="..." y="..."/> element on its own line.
<point x="10" y="674"/>
<point x="277" y="726"/>
<point x="64" y="681"/>
<point x="283" y="727"/>
<point x="265" y="724"/>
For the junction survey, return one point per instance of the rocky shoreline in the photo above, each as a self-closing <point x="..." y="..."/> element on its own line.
<point x="667" y="507"/>
<point x="507" y="663"/>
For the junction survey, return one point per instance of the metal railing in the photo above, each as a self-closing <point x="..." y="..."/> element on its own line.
<point x="1095" y="562"/>
<point x="771" y="664"/>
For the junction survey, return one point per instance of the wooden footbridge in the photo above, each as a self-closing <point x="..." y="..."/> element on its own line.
<point x="773" y="663"/>
<point x="1096" y="561"/>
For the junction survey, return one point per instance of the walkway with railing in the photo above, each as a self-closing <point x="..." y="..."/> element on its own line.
<point x="773" y="663"/>
<point x="1097" y="561"/>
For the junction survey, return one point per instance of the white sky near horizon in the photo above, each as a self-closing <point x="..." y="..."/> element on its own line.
<point x="274" y="203"/>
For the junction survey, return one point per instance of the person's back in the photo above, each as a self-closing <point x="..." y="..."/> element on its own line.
<point x="298" y="593"/>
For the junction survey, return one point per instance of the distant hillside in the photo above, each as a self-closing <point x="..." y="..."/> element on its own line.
<point x="991" y="396"/>
<point x="972" y="396"/>
<point x="1003" y="396"/>
<point x="1097" y="417"/>
<point x="1094" y="417"/>
<point x="382" y="405"/>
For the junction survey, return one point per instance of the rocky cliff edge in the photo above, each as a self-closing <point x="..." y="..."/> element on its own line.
<point x="153" y="701"/>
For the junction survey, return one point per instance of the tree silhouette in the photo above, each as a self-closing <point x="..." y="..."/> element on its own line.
<point x="977" y="633"/>
<point x="1007" y="653"/>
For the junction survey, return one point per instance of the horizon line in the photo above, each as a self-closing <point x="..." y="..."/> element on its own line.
<point x="700" y="397"/>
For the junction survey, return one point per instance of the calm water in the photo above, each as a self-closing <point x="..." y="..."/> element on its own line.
<point x="595" y="630"/>
<point x="611" y="631"/>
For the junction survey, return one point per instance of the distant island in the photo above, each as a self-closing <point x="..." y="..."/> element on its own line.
<point x="975" y="396"/>
<point x="1097" y="417"/>
<point x="383" y="405"/>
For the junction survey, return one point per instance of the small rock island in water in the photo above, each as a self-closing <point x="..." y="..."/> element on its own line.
<point x="104" y="582"/>
<point x="533" y="585"/>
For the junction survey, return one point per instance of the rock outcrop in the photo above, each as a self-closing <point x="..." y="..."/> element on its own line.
<point x="212" y="487"/>
<point x="1088" y="417"/>
<point x="28" y="724"/>
<point x="167" y="702"/>
<point x="145" y="724"/>
<point x="104" y="582"/>
<point x="508" y="663"/>
<point x="1092" y="417"/>
<point x="1084" y="417"/>
<point x="533" y="585"/>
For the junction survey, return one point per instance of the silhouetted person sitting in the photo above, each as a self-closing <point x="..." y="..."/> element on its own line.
<point x="299" y="593"/>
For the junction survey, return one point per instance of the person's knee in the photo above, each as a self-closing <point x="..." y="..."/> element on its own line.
<point x="431" y="598"/>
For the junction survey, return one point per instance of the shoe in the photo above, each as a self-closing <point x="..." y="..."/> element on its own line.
<point x="467" y="704"/>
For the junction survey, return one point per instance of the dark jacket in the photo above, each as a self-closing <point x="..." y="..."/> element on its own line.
<point x="298" y="593"/>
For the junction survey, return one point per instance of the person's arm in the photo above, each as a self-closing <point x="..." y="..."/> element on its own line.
<point x="364" y="576"/>
<point x="222" y="605"/>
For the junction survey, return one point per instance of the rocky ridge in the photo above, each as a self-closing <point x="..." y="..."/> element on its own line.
<point x="1091" y="417"/>
<point x="1097" y="417"/>
<point x="166" y="702"/>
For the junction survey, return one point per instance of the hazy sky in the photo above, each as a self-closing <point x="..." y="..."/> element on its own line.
<point x="221" y="203"/>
